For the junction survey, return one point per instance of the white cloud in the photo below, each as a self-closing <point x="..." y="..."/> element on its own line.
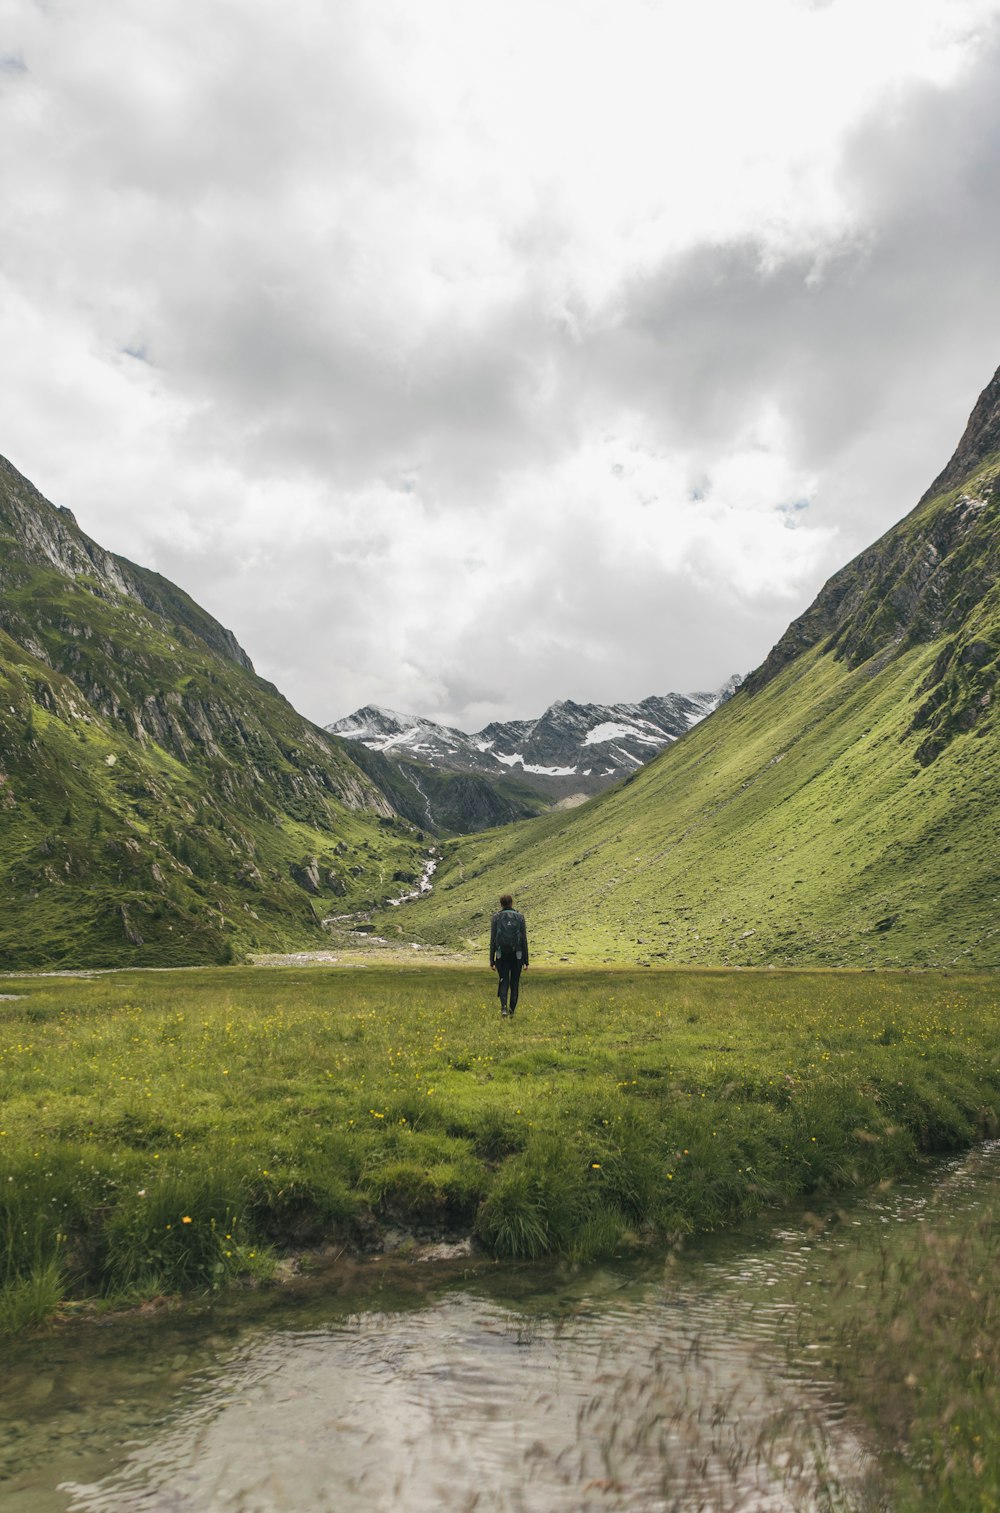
<point x="403" y="336"/>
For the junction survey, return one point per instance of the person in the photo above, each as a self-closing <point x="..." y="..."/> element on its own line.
<point x="508" y="952"/>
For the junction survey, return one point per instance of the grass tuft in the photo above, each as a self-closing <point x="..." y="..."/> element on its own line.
<point x="30" y="1300"/>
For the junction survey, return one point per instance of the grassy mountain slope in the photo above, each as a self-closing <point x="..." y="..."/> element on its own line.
<point x="841" y="808"/>
<point x="159" y="803"/>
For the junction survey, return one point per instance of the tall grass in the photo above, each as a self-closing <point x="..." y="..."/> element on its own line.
<point x="167" y="1132"/>
<point x="913" y="1329"/>
<point x="31" y="1297"/>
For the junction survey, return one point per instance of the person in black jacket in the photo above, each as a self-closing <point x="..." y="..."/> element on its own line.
<point x="508" y="952"/>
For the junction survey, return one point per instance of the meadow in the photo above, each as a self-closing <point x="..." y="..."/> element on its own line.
<point x="170" y="1132"/>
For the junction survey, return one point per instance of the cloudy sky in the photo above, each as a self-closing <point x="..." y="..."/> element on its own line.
<point x="462" y="357"/>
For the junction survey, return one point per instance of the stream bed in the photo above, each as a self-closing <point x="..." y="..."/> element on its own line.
<point x="663" y="1383"/>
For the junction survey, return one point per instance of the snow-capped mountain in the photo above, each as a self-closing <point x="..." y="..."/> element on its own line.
<point x="405" y="735"/>
<point x="571" y="748"/>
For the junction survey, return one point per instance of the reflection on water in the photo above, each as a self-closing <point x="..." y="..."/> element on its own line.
<point x="466" y="1405"/>
<point x="638" y="1386"/>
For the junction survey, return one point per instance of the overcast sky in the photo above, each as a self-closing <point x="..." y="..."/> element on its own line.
<point x="465" y="356"/>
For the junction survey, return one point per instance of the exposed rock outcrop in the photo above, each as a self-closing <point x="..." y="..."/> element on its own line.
<point x="924" y="577"/>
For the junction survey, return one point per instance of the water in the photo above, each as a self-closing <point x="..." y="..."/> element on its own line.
<point x="661" y="1384"/>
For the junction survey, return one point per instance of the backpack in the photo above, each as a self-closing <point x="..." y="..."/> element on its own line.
<point x="508" y="940"/>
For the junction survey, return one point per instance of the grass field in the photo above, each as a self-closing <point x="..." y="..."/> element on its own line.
<point x="166" y="1132"/>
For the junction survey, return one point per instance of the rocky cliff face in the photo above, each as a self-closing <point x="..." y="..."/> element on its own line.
<point x="41" y="534"/>
<point x="158" y="800"/>
<point x="447" y="801"/>
<point x="933" y="575"/>
<point x="979" y="444"/>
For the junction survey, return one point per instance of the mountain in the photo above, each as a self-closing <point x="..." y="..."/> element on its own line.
<point x="570" y="751"/>
<point x="841" y="808"/>
<point x="448" y="802"/>
<point x="159" y="802"/>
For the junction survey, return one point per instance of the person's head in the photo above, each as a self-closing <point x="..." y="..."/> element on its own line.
<point x="506" y="902"/>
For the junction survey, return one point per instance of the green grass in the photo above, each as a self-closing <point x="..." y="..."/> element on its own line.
<point x="169" y="1131"/>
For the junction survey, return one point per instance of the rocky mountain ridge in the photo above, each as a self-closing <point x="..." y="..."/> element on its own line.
<point x="932" y="578"/>
<point x="570" y="749"/>
<point x="44" y="534"/>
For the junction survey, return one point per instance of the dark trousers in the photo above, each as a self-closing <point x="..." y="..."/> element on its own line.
<point x="509" y="973"/>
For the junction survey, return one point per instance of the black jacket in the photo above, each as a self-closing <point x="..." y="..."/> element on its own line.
<point x="522" y="945"/>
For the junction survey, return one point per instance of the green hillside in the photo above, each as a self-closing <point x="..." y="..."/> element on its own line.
<point x="842" y="808"/>
<point x="159" y="803"/>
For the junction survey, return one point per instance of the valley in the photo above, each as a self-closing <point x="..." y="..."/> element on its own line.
<point x="161" y="804"/>
<point x="355" y="1095"/>
<point x="481" y="481"/>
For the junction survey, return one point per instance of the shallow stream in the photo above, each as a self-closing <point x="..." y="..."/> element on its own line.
<point x="668" y="1383"/>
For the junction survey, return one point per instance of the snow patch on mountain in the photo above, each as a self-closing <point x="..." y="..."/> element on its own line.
<point x="549" y="772"/>
<point x="608" y="730"/>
